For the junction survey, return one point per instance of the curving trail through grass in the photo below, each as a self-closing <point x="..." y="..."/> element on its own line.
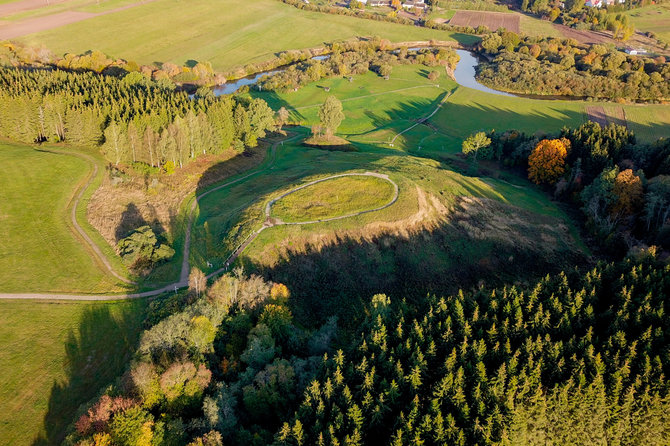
<point x="98" y="255"/>
<point x="183" y="277"/>
<point x="269" y="222"/>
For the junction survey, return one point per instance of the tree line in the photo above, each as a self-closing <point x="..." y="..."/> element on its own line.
<point x="550" y="66"/>
<point x="351" y="58"/>
<point x="131" y="119"/>
<point x="620" y="186"/>
<point x="576" y="358"/>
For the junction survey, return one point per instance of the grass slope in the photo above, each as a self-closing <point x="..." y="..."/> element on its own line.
<point x="39" y="250"/>
<point x="376" y="110"/>
<point x="55" y="357"/>
<point x="333" y="198"/>
<point x="652" y="18"/>
<point x="225" y="32"/>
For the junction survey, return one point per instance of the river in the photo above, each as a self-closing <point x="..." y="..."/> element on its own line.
<point x="464" y="74"/>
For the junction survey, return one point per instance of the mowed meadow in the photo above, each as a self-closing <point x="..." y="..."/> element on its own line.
<point x="226" y="33"/>
<point x="376" y="110"/>
<point x="55" y="356"/>
<point x="39" y="248"/>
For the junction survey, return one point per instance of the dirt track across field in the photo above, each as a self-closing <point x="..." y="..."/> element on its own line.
<point x="37" y="24"/>
<point x="492" y="20"/>
<point x="603" y="117"/>
<point x="26" y="5"/>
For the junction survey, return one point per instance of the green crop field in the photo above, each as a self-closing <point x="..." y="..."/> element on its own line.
<point x="225" y="32"/>
<point x="652" y="18"/>
<point x="39" y="250"/>
<point x="333" y="198"/>
<point x="55" y="357"/>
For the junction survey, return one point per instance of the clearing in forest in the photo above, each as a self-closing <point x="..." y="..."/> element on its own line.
<point x="492" y="20"/>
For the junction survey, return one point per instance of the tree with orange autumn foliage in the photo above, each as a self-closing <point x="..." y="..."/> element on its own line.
<point x="546" y="163"/>
<point x="628" y="190"/>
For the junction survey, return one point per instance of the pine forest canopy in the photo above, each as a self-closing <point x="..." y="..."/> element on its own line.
<point x="578" y="358"/>
<point x="132" y="119"/>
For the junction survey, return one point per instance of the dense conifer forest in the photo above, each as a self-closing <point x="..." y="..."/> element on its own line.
<point x="580" y="357"/>
<point x="132" y="119"/>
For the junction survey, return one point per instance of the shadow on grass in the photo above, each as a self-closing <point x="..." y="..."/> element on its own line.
<point x="492" y="245"/>
<point x="96" y="352"/>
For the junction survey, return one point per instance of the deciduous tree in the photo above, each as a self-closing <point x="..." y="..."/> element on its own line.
<point x="546" y="164"/>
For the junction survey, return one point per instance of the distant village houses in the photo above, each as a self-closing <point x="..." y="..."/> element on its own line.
<point x="601" y="3"/>
<point x="420" y="4"/>
<point x="409" y="4"/>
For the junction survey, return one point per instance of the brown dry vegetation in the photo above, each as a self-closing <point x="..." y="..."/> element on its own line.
<point x="124" y="202"/>
<point x="492" y="20"/>
<point x="486" y="219"/>
<point x="597" y="114"/>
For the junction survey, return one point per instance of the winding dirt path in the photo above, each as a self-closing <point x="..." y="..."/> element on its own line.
<point x="270" y="223"/>
<point x="100" y="257"/>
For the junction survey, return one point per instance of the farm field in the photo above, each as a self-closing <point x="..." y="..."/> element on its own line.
<point x="495" y="17"/>
<point x="203" y="32"/>
<point x="56" y="356"/>
<point x="492" y="20"/>
<point x="39" y="250"/>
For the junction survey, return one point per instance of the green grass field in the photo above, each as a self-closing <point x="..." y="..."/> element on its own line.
<point x="652" y="18"/>
<point x="376" y="110"/>
<point x="333" y="198"/>
<point x="225" y="32"/>
<point x="39" y="250"/>
<point x="55" y="357"/>
<point x="535" y="27"/>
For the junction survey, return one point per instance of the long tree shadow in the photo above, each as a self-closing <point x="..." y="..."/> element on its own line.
<point x="96" y="352"/>
<point x="488" y="243"/>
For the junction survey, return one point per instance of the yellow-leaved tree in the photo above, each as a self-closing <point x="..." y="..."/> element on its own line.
<point x="629" y="192"/>
<point x="546" y="163"/>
